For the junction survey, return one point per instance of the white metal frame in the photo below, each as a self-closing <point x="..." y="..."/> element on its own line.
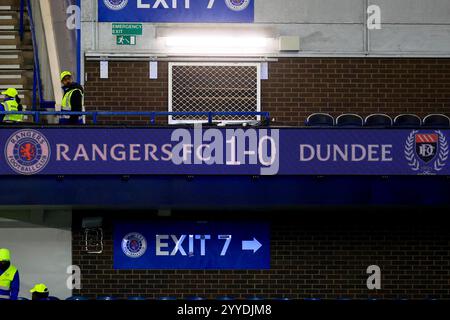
<point x="211" y="64"/>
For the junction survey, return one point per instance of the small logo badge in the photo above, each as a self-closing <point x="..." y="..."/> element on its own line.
<point x="237" y="5"/>
<point x="426" y="153"/>
<point x="27" y="152"/>
<point x="134" y="245"/>
<point x="426" y="146"/>
<point x="115" y="4"/>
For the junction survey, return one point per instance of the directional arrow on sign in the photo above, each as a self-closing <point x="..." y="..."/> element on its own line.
<point x="253" y="245"/>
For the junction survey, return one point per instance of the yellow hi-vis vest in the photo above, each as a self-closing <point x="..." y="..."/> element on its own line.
<point x="5" y="280"/>
<point x="66" y="104"/>
<point x="12" y="105"/>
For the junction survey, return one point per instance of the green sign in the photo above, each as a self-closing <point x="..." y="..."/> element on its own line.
<point x="126" y="40"/>
<point x="127" y="29"/>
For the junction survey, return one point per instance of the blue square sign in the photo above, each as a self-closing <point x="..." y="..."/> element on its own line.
<point x="192" y="246"/>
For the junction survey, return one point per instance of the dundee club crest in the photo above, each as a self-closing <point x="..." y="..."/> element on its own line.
<point x="426" y="153"/>
<point x="426" y="146"/>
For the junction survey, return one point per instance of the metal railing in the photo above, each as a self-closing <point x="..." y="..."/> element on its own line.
<point x="22" y="23"/>
<point x="37" y="82"/>
<point x="152" y="116"/>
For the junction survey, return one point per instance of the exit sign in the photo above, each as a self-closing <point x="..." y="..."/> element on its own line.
<point x="187" y="245"/>
<point x="126" y="40"/>
<point x="128" y="29"/>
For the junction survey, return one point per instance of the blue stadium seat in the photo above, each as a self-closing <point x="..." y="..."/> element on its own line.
<point x="106" y="298"/>
<point x="254" y="298"/>
<point x="281" y="299"/>
<point x="22" y="299"/>
<point x="77" y="298"/>
<point x="168" y="298"/>
<point x="194" y="298"/>
<point x="312" y="299"/>
<point x="436" y="121"/>
<point x="344" y="299"/>
<point x="320" y="120"/>
<point x="137" y="298"/>
<point x="349" y="120"/>
<point x="51" y="298"/>
<point x="225" y="298"/>
<point x="407" y="121"/>
<point x="378" y="120"/>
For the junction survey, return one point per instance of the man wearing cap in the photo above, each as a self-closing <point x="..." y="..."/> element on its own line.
<point x="9" y="277"/>
<point x="40" y="292"/>
<point x="11" y="103"/>
<point x="72" y="100"/>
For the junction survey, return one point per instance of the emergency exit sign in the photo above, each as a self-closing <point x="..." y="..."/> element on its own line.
<point x="127" y="29"/>
<point x="126" y="40"/>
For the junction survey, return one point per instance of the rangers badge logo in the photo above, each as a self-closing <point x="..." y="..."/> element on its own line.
<point x="134" y="245"/>
<point x="27" y="152"/>
<point x="115" y="4"/>
<point x="237" y="5"/>
<point x="426" y="152"/>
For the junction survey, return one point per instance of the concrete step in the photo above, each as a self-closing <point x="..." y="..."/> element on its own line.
<point x="10" y="67"/>
<point x="10" y="85"/>
<point x="9" y="18"/>
<point x="10" y="58"/>
<point x="10" y="21"/>
<point x="15" y="79"/>
<point x="12" y="18"/>
<point x="10" y="4"/>
<point x="23" y="58"/>
<point x="9" y="27"/>
<point x="13" y="38"/>
<point x="8" y="47"/>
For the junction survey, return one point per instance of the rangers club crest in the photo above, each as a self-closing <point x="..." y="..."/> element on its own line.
<point x="237" y="5"/>
<point x="426" y="153"/>
<point x="134" y="245"/>
<point x="27" y="152"/>
<point x="115" y="4"/>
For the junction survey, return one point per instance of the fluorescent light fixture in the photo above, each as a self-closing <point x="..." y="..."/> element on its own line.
<point x="217" y="42"/>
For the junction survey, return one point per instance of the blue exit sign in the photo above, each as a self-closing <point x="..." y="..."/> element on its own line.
<point x="192" y="245"/>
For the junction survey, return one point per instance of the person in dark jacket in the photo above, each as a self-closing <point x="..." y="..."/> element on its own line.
<point x="73" y="99"/>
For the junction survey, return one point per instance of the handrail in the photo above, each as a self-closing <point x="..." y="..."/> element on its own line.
<point x="22" y="23"/>
<point x="37" y="83"/>
<point x="151" y="115"/>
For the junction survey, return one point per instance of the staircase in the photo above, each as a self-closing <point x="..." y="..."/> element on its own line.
<point x="16" y="56"/>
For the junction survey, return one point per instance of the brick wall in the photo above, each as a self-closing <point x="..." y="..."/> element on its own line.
<point x="297" y="87"/>
<point x="319" y="255"/>
<point x="128" y="88"/>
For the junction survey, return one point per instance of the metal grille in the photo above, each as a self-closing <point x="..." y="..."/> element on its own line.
<point x="214" y="87"/>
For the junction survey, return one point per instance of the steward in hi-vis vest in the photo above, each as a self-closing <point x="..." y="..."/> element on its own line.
<point x="73" y="99"/>
<point x="9" y="277"/>
<point x="11" y="103"/>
